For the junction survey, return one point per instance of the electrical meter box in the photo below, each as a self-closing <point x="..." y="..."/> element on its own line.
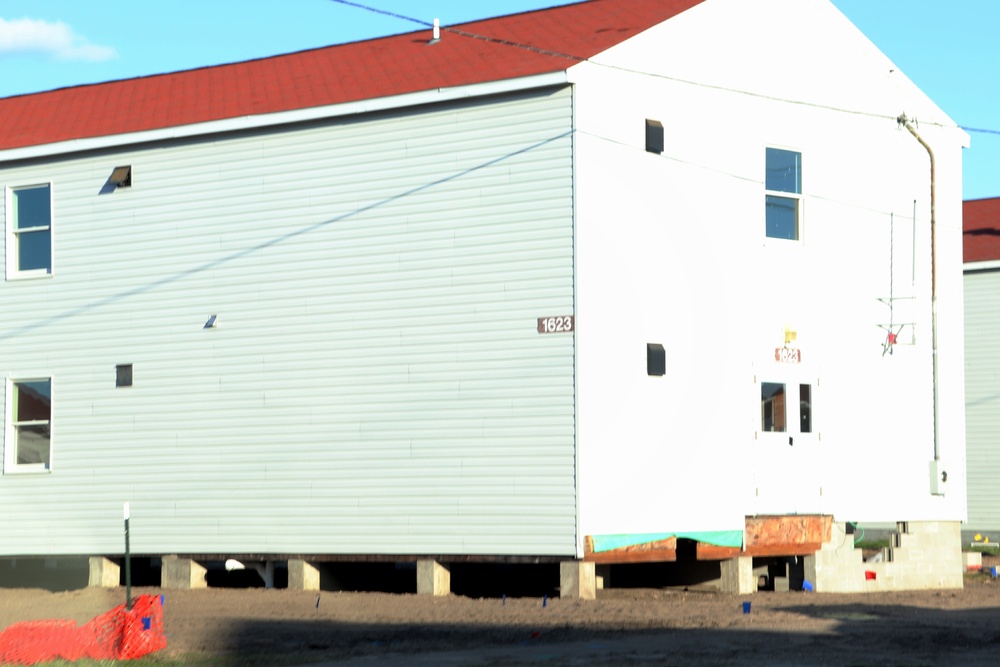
<point x="939" y="478"/>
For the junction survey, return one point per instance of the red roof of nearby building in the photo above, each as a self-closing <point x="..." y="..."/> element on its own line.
<point x="503" y="48"/>
<point x="981" y="229"/>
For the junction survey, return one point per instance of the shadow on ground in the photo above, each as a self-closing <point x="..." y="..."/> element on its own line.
<point x="781" y="636"/>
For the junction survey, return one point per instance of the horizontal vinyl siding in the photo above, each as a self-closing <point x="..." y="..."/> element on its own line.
<point x="982" y="396"/>
<point x="376" y="383"/>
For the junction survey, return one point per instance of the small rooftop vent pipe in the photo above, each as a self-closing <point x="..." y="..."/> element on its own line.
<point x="437" y="32"/>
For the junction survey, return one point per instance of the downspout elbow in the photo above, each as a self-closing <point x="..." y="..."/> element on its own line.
<point x="905" y="122"/>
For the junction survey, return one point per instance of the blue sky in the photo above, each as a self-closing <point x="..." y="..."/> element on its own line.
<point x="949" y="49"/>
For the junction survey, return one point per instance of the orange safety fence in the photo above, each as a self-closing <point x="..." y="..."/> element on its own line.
<point x="119" y="634"/>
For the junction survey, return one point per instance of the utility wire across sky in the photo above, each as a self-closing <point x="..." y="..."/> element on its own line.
<point x="549" y="52"/>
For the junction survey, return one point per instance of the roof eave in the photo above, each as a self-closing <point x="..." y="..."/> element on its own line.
<point x="987" y="265"/>
<point x="261" y="121"/>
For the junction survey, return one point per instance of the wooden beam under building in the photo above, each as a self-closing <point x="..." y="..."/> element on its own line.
<point x="781" y="535"/>
<point x="660" y="551"/>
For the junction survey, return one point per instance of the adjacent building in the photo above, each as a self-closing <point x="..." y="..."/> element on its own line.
<point x="982" y="364"/>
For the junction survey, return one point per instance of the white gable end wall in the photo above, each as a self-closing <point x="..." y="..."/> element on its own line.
<point x="672" y="250"/>
<point x="375" y="382"/>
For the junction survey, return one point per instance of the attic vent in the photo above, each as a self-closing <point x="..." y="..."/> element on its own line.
<point x="121" y="177"/>
<point x="656" y="359"/>
<point x="654" y="136"/>
<point x="123" y="375"/>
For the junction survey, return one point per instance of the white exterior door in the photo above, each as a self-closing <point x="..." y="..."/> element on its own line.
<point x="786" y="442"/>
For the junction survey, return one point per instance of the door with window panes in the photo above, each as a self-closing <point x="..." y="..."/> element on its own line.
<point x="787" y="475"/>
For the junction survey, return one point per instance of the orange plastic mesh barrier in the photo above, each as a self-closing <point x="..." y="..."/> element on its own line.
<point x="119" y="634"/>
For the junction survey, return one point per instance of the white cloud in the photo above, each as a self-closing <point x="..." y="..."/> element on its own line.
<point x="55" y="39"/>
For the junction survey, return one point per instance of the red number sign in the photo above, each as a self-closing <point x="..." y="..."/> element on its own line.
<point x="788" y="355"/>
<point x="561" y="324"/>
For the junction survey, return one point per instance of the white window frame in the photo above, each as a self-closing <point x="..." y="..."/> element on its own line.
<point x="797" y="197"/>
<point x="10" y="464"/>
<point x="12" y="271"/>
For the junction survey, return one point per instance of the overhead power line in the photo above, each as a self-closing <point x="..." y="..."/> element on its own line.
<point x="979" y="130"/>
<point x="463" y="33"/>
<point x="376" y="10"/>
<point x="580" y="59"/>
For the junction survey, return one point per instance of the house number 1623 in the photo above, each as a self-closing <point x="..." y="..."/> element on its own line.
<point x="561" y="324"/>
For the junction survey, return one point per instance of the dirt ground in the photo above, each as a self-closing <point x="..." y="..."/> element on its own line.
<point x="622" y="627"/>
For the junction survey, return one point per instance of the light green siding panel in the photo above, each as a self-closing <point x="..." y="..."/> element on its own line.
<point x="376" y="383"/>
<point x="982" y="396"/>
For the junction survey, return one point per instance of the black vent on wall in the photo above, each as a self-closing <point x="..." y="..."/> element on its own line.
<point x="654" y="136"/>
<point x="123" y="375"/>
<point x="656" y="359"/>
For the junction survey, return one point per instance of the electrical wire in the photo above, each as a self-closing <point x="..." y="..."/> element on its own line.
<point x="376" y="10"/>
<point x="517" y="45"/>
<point x="580" y="59"/>
<point x="665" y="77"/>
<point x="738" y="177"/>
<point x="464" y="33"/>
<point x="978" y="130"/>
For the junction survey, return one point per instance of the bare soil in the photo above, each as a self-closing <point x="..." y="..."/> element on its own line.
<point x="673" y="626"/>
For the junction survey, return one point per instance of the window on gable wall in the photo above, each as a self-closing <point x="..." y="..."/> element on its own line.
<point x="783" y="196"/>
<point x="29" y="231"/>
<point x="28" y="436"/>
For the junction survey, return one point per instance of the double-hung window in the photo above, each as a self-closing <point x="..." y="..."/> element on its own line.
<point x="783" y="196"/>
<point x="29" y="231"/>
<point x="28" y="435"/>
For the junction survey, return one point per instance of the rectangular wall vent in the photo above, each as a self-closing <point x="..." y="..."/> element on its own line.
<point x="123" y="375"/>
<point x="654" y="136"/>
<point x="656" y="359"/>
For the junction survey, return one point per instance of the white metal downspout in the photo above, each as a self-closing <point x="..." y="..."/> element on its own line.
<point x="904" y="121"/>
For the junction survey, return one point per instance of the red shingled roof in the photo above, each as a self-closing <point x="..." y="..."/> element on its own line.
<point x="336" y="74"/>
<point x="981" y="229"/>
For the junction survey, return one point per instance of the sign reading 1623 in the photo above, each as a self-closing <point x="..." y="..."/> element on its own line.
<point x="561" y="324"/>
<point x="788" y="355"/>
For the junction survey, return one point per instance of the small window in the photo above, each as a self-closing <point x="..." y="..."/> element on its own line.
<point x="28" y="436"/>
<point x="123" y="375"/>
<point x="772" y="407"/>
<point x="783" y="196"/>
<point x="29" y="231"/>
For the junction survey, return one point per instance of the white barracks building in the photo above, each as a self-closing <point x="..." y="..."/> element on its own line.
<point x="619" y="281"/>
